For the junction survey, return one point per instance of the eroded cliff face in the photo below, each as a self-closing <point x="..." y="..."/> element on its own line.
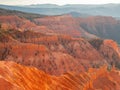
<point x="89" y="27"/>
<point x="109" y="49"/>
<point x="21" y="24"/>
<point x="101" y="26"/>
<point x="54" y="57"/>
<point x="64" y="24"/>
<point x="60" y="24"/>
<point x="71" y="60"/>
<point x="57" y="54"/>
<point x="15" y="22"/>
<point x="17" y="77"/>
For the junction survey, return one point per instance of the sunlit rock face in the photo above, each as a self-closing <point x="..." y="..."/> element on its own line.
<point x="17" y="77"/>
<point x="109" y="49"/>
<point x="56" y="54"/>
<point x="73" y="55"/>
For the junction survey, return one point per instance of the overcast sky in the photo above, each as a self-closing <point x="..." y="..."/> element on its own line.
<point x="59" y="2"/>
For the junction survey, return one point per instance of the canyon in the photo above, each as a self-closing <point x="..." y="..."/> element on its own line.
<point x="40" y="52"/>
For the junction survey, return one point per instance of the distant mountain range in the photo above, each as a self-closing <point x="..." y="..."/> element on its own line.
<point x="52" y="9"/>
<point x="19" y="13"/>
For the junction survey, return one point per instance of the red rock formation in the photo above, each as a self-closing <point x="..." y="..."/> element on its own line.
<point x="109" y="50"/>
<point x="45" y="51"/>
<point x="15" y="22"/>
<point x="18" y="77"/>
<point x="102" y="26"/>
<point x="48" y="46"/>
<point x="65" y="24"/>
<point x="39" y="56"/>
<point x="112" y="44"/>
<point x="22" y="24"/>
<point x="6" y="85"/>
<point x="53" y="54"/>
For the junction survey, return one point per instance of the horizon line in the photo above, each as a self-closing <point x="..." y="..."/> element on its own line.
<point x="59" y="4"/>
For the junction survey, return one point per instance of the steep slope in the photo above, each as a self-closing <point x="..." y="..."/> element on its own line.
<point x="104" y="27"/>
<point x="21" y="24"/>
<point x="108" y="49"/>
<point x="18" y="77"/>
<point x="25" y="42"/>
<point x="60" y="24"/>
<point x="89" y="27"/>
<point x="64" y="24"/>
<point x="57" y="54"/>
<point x="105" y="80"/>
<point x="52" y="54"/>
<point x="14" y="22"/>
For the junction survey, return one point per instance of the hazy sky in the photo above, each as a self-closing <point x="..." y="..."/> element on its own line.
<point x="59" y="2"/>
